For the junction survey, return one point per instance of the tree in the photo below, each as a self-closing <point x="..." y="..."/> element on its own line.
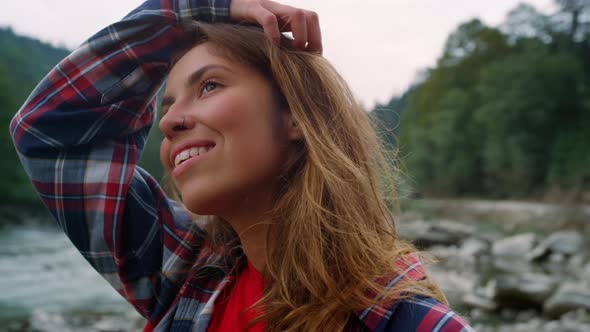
<point x="573" y="15"/>
<point x="525" y="22"/>
<point x="437" y="129"/>
<point x="527" y="102"/>
<point x="23" y="62"/>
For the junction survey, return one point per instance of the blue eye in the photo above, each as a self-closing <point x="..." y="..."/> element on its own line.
<point x="208" y="86"/>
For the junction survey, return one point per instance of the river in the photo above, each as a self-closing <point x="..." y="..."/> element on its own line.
<point x="46" y="285"/>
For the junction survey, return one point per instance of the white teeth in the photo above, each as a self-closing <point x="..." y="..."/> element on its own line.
<point x="186" y="154"/>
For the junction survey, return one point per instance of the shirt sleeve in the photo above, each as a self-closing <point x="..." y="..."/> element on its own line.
<point x="423" y="314"/>
<point x="79" y="137"/>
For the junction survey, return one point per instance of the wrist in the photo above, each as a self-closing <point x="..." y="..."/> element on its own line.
<point x="210" y="11"/>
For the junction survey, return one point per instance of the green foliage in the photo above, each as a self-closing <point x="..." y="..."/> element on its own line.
<point x="443" y="149"/>
<point x="505" y="113"/>
<point x="150" y="159"/>
<point x="527" y="101"/>
<point x="23" y="62"/>
<point x="26" y="61"/>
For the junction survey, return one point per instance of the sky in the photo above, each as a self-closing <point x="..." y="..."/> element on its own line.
<point x="378" y="46"/>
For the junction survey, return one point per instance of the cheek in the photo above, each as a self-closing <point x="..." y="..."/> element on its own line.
<point x="226" y="115"/>
<point x="239" y="118"/>
<point x="164" y="154"/>
<point x="246" y="125"/>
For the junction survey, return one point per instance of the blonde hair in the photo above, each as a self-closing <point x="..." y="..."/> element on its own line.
<point x="332" y="238"/>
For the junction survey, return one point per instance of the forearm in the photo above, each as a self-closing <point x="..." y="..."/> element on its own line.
<point x="110" y="79"/>
<point x="79" y="137"/>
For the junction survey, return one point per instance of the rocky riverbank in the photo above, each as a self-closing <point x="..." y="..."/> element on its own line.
<point x="525" y="281"/>
<point x="503" y="272"/>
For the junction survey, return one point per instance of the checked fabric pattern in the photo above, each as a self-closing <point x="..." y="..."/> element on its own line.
<point x="79" y="137"/>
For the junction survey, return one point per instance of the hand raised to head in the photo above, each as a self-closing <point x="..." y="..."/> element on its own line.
<point x="276" y="18"/>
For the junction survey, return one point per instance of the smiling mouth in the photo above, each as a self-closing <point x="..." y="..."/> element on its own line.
<point x="188" y="154"/>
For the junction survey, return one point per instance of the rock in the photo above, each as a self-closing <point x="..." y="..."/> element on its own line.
<point x="516" y="246"/>
<point x="502" y="265"/>
<point x="453" y="283"/>
<point x="459" y="230"/>
<point x="479" y="301"/>
<point x="508" y="314"/>
<point x="564" y="243"/>
<point x="580" y="315"/>
<point x="526" y="315"/>
<point x="444" y="233"/>
<point x="577" y="262"/>
<point x="566" y="268"/>
<point x="529" y="290"/>
<point x="536" y="325"/>
<point x="568" y="297"/>
<point x="472" y="248"/>
<point x="586" y="273"/>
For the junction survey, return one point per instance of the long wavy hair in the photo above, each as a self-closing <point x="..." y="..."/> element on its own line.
<point x="332" y="239"/>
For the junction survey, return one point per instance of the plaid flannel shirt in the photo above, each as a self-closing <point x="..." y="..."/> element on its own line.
<point x="79" y="137"/>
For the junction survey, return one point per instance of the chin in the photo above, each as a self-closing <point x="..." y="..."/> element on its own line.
<point x="201" y="204"/>
<point x="199" y="207"/>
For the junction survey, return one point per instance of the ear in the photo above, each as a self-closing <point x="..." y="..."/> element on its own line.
<point x="290" y="126"/>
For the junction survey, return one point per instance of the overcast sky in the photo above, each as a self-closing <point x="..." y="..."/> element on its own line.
<point x="377" y="45"/>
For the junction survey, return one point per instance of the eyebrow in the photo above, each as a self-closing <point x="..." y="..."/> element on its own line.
<point x="192" y="79"/>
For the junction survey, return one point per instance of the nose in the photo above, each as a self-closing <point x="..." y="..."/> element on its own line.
<point x="173" y="123"/>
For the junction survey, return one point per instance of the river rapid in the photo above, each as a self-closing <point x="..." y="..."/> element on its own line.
<point x="46" y="285"/>
<point x="509" y="268"/>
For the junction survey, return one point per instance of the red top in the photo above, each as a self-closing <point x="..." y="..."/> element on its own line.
<point x="228" y="313"/>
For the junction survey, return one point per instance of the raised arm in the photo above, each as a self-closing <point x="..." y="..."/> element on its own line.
<point x="81" y="133"/>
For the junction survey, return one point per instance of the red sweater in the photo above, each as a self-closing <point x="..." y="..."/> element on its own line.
<point x="229" y="314"/>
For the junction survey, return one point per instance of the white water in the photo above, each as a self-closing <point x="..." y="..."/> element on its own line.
<point x="43" y="279"/>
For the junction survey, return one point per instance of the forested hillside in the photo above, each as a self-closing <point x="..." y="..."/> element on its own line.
<point x="23" y="62"/>
<point x="505" y="113"/>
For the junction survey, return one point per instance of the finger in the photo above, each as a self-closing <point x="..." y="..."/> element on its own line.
<point x="269" y="23"/>
<point x="284" y="23"/>
<point x="291" y="19"/>
<point x="277" y="8"/>
<point x="314" y="34"/>
<point x="299" y="28"/>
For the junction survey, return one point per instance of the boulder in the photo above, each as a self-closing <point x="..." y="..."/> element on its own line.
<point x="586" y="273"/>
<point x="460" y="230"/>
<point x="567" y="268"/>
<point x="427" y="234"/>
<point x="472" y="248"/>
<point x="516" y="246"/>
<point x="502" y="265"/>
<point x="568" y="297"/>
<point x="529" y="290"/>
<point x="453" y="283"/>
<point x="561" y="243"/>
<point x="479" y="298"/>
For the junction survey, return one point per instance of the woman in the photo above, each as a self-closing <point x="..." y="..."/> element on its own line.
<point x="281" y="220"/>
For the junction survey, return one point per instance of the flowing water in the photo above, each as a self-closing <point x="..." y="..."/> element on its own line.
<point x="46" y="285"/>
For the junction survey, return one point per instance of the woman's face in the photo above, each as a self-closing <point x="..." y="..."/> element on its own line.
<point x="232" y="119"/>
